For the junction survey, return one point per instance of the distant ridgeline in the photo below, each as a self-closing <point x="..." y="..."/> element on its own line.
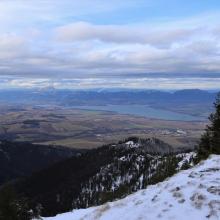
<point x="102" y="174"/>
<point x="102" y="97"/>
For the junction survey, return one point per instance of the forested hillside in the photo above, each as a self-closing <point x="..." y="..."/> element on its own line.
<point x="20" y="159"/>
<point x="190" y="194"/>
<point x="100" y="175"/>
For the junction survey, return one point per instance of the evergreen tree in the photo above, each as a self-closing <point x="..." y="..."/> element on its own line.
<point x="210" y="140"/>
<point x="14" y="208"/>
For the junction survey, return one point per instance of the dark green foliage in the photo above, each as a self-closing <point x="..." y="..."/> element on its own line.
<point x="210" y="140"/>
<point x="107" y="196"/>
<point x="185" y="165"/>
<point x="167" y="167"/>
<point x="100" y="175"/>
<point x="20" y="159"/>
<point x="14" y="208"/>
<point x="56" y="187"/>
<point x="135" y="171"/>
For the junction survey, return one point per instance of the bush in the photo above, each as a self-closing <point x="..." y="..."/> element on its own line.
<point x="210" y="140"/>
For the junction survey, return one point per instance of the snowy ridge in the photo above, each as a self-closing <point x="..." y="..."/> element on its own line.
<point x="128" y="174"/>
<point x="194" y="192"/>
<point x="132" y="168"/>
<point x="131" y="144"/>
<point x="102" y="175"/>
<point x="186" y="158"/>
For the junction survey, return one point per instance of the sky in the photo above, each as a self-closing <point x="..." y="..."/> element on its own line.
<point x="144" y="44"/>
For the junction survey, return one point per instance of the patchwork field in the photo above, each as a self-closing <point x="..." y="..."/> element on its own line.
<point x="89" y="129"/>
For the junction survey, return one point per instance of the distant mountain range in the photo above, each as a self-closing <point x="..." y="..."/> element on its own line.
<point x="103" y="97"/>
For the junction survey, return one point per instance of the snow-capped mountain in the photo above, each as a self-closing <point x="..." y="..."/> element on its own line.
<point x="190" y="194"/>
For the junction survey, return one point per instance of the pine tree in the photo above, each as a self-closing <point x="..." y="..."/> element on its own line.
<point x="14" y="208"/>
<point x="210" y="140"/>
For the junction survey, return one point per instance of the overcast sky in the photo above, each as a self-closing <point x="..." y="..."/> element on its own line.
<point x="151" y="44"/>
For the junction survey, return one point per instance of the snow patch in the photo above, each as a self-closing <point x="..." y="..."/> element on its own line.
<point x="131" y="144"/>
<point x="186" y="158"/>
<point x="191" y="194"/>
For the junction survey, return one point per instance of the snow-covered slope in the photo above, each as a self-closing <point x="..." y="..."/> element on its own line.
<point x="190" y="194"/>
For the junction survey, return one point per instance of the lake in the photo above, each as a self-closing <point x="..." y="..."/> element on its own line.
<point x="144" y="111"/>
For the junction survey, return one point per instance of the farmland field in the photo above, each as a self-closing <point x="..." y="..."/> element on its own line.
<point x="90" y="128"/>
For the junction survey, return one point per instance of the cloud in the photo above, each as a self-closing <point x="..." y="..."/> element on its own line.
<point x="164" y="32"/>
<point x="91" y="83"/>
<point x="11" y="45"/>
<point x="82" y="31"/>
<point x="69" y="40"/>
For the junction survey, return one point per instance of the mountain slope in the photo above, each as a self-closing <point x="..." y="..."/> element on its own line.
<point x="100" y="175"/>
<point x="191" y="194"/>
<point x="20" y="159"/>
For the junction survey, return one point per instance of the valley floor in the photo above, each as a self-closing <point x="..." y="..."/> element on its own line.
<point x="190" y="194"/>
<point x="86" y="129"/>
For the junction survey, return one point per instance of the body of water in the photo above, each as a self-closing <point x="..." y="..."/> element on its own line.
<point x="144" y="111"/>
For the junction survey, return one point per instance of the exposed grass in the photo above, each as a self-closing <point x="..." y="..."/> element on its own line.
<point x="89" y="129"/>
